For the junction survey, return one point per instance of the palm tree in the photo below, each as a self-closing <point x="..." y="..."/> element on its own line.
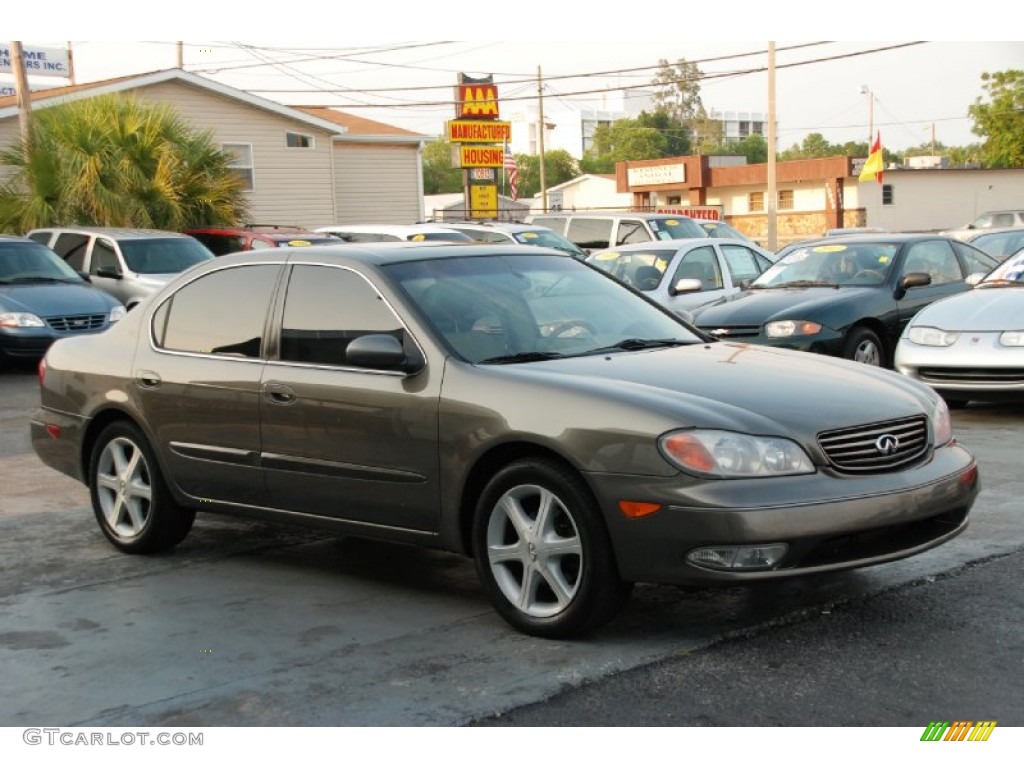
<point x="117" y="161"/>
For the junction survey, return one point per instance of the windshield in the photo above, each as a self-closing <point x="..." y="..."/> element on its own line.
<point x="837" y="264"/>
<point x="497" y="309"/>
<point x="674" y="228"/>
<point x="31" y="262"/>
<point x="156" y="256"/>
<point x="548" y="239"/>
<point x="1010" y="272"/>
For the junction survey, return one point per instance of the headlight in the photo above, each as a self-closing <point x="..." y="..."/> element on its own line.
<point x="717" y="453"/>
<point x="942" y="425"/>
<point x="932" y="337"/>
<point x="1012" y="338"/>
<point x="20" y="320"/>
<point x="117" y="313"/>
<point x="783" y="328"/>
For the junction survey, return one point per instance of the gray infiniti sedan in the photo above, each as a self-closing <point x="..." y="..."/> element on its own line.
<point x="508" y="403"/>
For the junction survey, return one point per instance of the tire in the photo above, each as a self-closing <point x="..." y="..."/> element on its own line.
<point x="542" y="551"/>
<point x="864" y="346"/>
<point x="133" y="507"/>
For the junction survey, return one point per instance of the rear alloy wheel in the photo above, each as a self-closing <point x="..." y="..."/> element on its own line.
<point x="864" y="346"/>
<point x="542" y="551"/>
<point x="129" y="497"/>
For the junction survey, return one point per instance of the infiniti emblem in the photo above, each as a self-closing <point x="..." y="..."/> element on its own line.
<point x="887" y="444"/>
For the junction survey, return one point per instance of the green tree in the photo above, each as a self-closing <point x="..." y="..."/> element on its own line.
<point x="439" y="175"/>
<point x="677" y="134"/>
<point x="1000" y="120"/>
<point x="677" y="90"/>
<point x="625" y="140"/>
<point x="559" y="167"/>
<point x="117" y="161"/>
<point x="753" y="147"/>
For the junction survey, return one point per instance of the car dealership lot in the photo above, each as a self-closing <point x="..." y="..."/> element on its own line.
<point x="252" y="624"/>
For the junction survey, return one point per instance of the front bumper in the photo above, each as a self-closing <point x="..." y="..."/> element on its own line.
<point x="976" y="367"/>
<point x="829" y="522"/>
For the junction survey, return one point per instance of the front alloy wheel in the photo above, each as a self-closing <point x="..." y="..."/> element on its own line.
<point x="542" y="551"/>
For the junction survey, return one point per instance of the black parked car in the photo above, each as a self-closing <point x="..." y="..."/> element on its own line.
<point x="845" y="296"/>
<point x="42" y="299"/>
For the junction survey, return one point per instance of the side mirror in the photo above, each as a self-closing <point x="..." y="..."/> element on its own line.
<point x="686" y="285"/>
<point x="912" y="280"/>
<point x="383" y="352"/>
<point x="112" y="272"/>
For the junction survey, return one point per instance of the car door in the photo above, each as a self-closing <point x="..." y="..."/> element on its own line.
<point x="106" y="268"/>
<point x="741" y="264"/>
<point x="341" y="441"/>
<point x="698" y="262"/>
<point x="197" y="377"/>
<point x="936" y="259"/>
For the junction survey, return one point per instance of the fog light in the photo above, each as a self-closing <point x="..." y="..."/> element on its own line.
<point x="762" y="557"/>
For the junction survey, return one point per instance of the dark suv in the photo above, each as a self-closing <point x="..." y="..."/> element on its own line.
<point x="253" y="237"/>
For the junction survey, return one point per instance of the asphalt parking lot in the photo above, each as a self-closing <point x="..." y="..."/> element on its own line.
<point x="251" y="624"/>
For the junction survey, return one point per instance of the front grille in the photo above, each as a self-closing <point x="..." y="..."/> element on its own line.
<point x="994" y="376"/>
<point x="76" y="323"/>
<point x="876" y="447"/>
<point x="731" y="331"/>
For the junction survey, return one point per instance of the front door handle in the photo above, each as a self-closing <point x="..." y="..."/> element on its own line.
<point x="279" y="394"/>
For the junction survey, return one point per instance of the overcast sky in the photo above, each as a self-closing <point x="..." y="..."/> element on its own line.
<point x="825" y="87"/>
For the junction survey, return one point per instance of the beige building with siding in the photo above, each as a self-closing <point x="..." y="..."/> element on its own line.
<point x="306" y="166"/>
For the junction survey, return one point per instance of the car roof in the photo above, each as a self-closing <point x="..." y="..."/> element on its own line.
<point x="379" y="254"/>
<point x="116" y="233"/>
<point x="677" y="244"/>
<point x="397" y="229"/>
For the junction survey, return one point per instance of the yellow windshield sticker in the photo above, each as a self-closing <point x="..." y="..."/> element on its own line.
<point x="418" y="238"/>
<point x="672" y="223"/>
<point x="529" y="235"/>
<point x="830" y="249"/>
<point x="606" y="256"/>
<point x="299" y="242"/>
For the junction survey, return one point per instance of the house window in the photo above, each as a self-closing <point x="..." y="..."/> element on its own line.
<point x="674" y="200"/>
<point x="756" y="201"/>
<point x="887" y="197"/>
<point x="299" y="140"/>
<point x="785" y="199"/>
<point x="241" y="164"/>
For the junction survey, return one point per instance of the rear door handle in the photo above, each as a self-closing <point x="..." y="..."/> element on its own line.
<point x="148" y="379"/>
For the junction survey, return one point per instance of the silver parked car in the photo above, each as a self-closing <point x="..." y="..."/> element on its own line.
<point x="505" y="402"/>
<point x="971" y="346"/>
<point x="127" y="263"/>
<point x="684" y="274"/>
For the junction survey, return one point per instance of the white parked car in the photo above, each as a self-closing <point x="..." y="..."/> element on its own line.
<point x="379" y="233"/>
<point x="683" y="274"/>
<point x="971" y="346"/>
<point x="987" y="220"/>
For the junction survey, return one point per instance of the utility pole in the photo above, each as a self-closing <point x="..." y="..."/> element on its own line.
<point x="71" y="64"/>
<point x="773" y="195"/>
<point x="180" y="47"/>
<point x="24" y="97"/>
<point x="540" y="142"/>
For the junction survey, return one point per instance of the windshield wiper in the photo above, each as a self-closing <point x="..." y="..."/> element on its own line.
<point x="520" y="357"/>
<point x="635" y="344"/>
<point x="35" y="279"/>
<point x="800" y="284"/>
<point x="1000" y="282"/>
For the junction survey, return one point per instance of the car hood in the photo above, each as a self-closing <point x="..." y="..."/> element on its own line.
<point x="742" y="387"/>
<point x="981" y="309"/>
<point x="754" y="307"/>
<point x="51" y="299"/>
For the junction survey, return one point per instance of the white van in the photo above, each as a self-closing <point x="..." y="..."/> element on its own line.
<point x="596" y="231"/>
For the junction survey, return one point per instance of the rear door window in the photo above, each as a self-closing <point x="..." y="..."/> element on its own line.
<point x="593" y="234"/>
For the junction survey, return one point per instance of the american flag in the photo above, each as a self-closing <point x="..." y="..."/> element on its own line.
<point x="513" y="172"/>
